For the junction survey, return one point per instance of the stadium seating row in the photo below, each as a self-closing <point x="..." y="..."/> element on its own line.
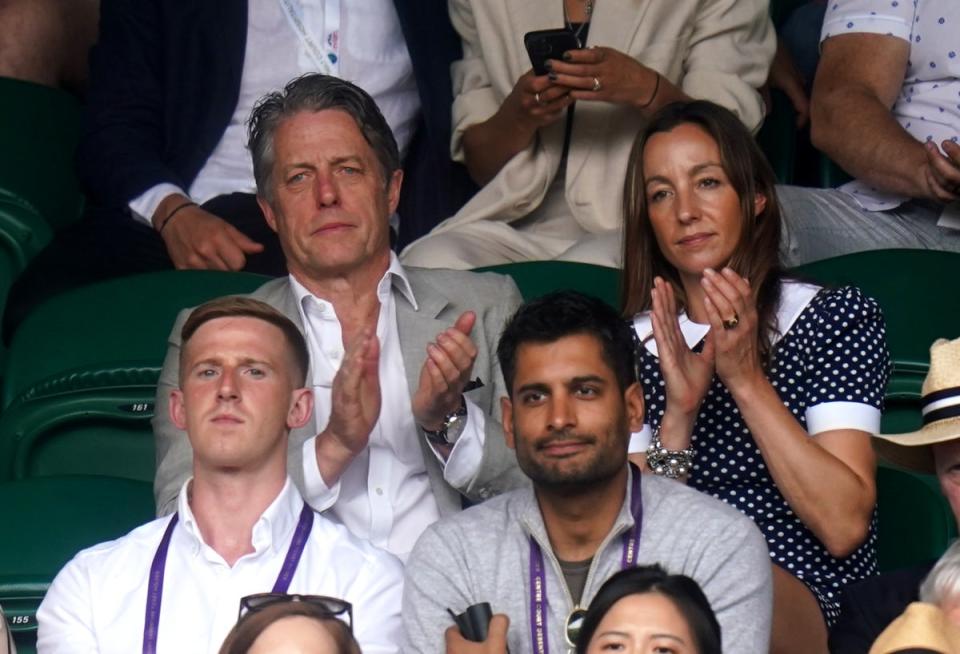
<point x="76" y="451"/>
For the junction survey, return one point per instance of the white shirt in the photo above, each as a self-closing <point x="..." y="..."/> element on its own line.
<point x="384" y="495"/>
<point x="98" y="601"/>
<point x="373" y="54"/>
<point x="928" y="106"/>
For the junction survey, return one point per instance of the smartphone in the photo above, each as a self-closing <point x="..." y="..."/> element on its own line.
<point x="548" y="44"/>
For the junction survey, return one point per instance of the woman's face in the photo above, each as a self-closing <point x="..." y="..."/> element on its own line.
<point x="694" y="210"/>
<point x="643" y="624"/>
<point x="295" y="634"/>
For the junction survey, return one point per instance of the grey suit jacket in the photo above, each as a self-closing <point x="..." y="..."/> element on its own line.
<point x="442" y="295"/>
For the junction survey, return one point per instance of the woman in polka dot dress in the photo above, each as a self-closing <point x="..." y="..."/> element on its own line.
<point x="760" y="390"/>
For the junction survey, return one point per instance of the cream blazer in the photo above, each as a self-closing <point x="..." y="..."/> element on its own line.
<point x="717" y="50"/>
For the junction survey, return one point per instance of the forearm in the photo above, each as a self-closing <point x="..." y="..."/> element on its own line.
<point x="166" y="208"/>
<point x="333" y="458"/>
<point x="858" y="132"/>
<point x="828" y="496"/>
<point x="489" y="145"/>
<point x="662" y="92"/>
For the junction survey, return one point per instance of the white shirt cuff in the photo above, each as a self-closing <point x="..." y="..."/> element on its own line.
<point x="463" y="465"/>
<point x="145" y="205"/>
<point x="316" y="493"/>
<point x="842" y="415"/>
<point x="640" y="440"/>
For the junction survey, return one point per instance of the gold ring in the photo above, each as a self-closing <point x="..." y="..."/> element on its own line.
<point x="536" y="96"/>
<point x="730" y="323"/>
<point x="596" y="84"/>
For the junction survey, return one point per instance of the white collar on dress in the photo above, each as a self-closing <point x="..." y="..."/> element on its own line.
<point x="794" y="298"/>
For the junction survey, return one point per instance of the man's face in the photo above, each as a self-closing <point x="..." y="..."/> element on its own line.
<point x="947" y="459"/>
<point x="331" y="204"/>
<point x="238" y="395"/>
<point x="567" y="418"/>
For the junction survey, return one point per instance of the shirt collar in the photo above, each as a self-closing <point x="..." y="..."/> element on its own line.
<point x="794" y="298"/>
<point x="532" y="520"/>
<point x="394" y="277"/>
<point x="272" y="530"/>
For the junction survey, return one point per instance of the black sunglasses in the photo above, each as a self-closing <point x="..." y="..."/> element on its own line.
<point x="330" y="606"/>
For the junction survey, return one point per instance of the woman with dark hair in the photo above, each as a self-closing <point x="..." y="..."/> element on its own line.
<point x="303" y="624"/>
<point x="761" y="390"/>
<point x="641" y="610"/>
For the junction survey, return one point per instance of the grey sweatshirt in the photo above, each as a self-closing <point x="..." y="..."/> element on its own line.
<point x="483" y="555"/>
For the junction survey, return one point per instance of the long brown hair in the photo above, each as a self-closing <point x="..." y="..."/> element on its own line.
<point x="757" y="255"/>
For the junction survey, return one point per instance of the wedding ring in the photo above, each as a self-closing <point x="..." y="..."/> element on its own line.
<point x="536" y="96"/>
<point x="730" y="323"/>
<point x="596" y="84"/>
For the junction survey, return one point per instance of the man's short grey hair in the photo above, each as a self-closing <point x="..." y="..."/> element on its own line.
<point x="942" y="585"/>
<point x="316" y="92"/>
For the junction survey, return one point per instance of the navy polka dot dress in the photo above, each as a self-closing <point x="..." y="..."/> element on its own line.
<point x="830" y="367"/>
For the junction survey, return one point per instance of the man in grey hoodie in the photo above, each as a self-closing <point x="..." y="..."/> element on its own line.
<point x="539" y="555"/>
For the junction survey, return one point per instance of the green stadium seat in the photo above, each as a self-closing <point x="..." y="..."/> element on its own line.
<point x="82" y="369"/>
<point x="537" y="278"/>
<point x="916" y="290"/>
<point x="39" y="131"/>
<point x="778" y="137"/>
<point x="915" y="521"/>
<point x="48" y="520"/>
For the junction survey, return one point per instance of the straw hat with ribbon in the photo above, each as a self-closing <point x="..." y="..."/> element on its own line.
<point x="941" y="412"/>
<point x="920" y="627"/>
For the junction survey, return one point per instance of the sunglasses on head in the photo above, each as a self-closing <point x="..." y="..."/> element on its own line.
<point x="329" y="606"/>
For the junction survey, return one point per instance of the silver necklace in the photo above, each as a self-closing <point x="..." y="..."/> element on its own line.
<point x="589" y="12"/>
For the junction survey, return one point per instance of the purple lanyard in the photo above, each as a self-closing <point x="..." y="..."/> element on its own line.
<point x="155" y="587"/>
<point x="538" y="577"/>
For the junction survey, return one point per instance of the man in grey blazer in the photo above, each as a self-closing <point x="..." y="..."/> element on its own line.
<point x="386" y="464"/>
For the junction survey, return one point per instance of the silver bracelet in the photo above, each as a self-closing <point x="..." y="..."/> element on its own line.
<point x="668" y="463"/>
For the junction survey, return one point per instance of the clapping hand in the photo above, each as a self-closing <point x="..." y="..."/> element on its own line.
<point x="686" y="373"/>
<point x="355" y="395"/>
<point x="445" y="373"/>
<point x="732" y="311"/>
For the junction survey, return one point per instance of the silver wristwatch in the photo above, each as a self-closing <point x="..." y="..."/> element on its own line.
<point x="452" y="427"/>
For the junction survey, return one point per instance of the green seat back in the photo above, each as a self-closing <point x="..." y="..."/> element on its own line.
<point x="39" y="132"/>
<point x="82" y="370"/>
<point x="46" y="521"/>
<point x="537" y="278"/>
<point x="778" y="137"/>
<point x="916" y="290"/>
<point x="915" y="521"/>
<point x="106" y="326"/>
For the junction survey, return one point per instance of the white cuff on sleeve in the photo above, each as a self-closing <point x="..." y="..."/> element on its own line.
<point x="316" y="493"/>
<point x="842" y="415"/>
<point x="463" y="465"/>
<point x="640" y="440"/>
<point x="144" y="205"/>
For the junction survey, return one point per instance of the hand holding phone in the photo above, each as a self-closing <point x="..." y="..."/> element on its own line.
<point x="548" y="44"/>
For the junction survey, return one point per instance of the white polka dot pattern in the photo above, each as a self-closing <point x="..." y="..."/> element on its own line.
<point x="835" y="351"/>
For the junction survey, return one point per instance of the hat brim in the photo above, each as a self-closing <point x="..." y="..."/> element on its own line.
<point x="913" y="450"/>
<point x="921" y="626"/>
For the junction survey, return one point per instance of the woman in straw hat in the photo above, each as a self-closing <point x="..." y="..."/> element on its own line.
<point x="760" y="390"/>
